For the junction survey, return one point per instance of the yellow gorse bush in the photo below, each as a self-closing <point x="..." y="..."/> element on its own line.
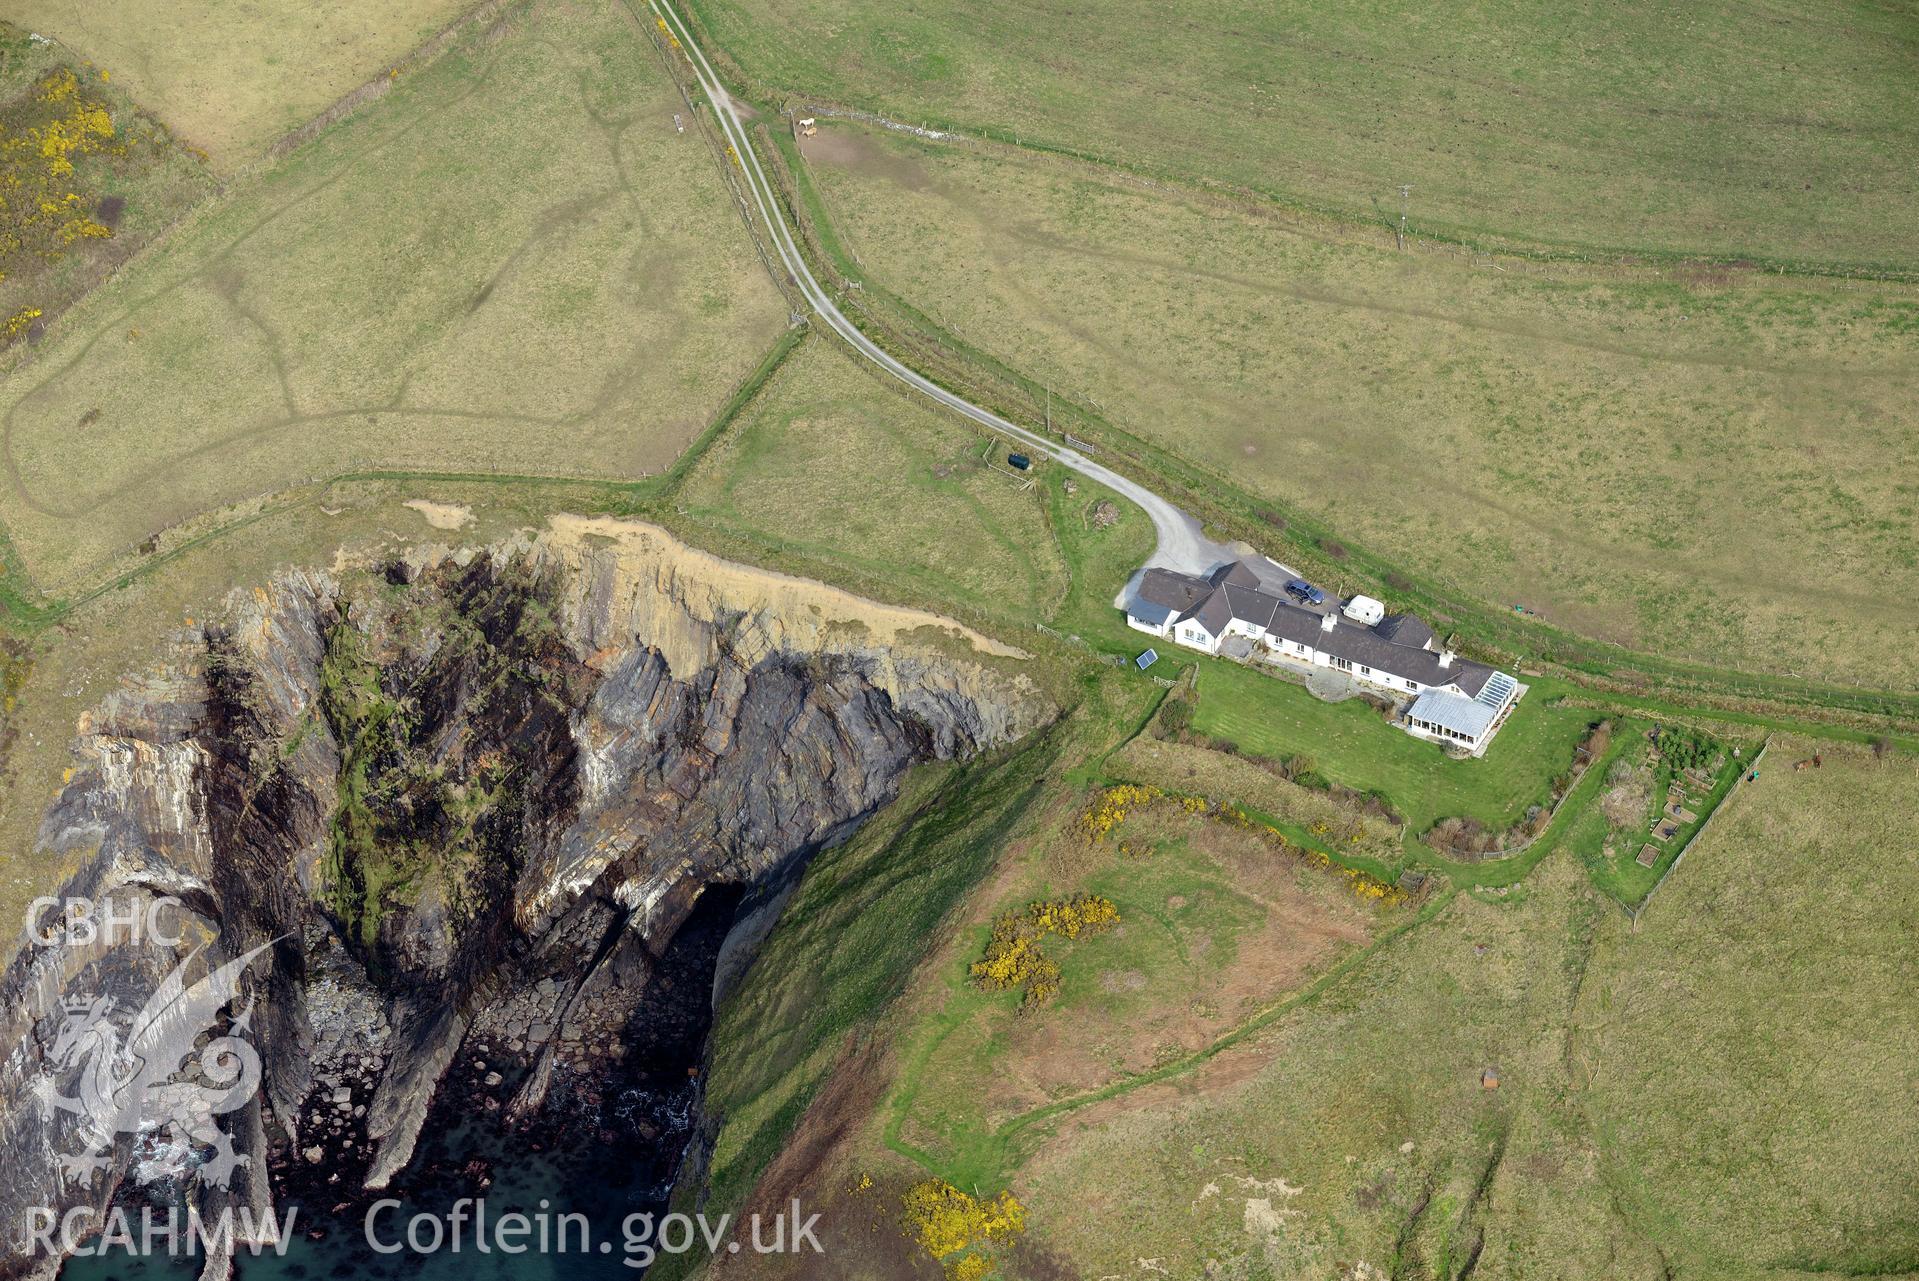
<point x="1014" y="955"/>
<point x="1110" y="808"/>
<point x="44" y="210"/>
<point x="971" y="1267"/>
<point x="1087" y="912"/>
<point x="952" y="1226"/>
<point x="1116" y="804"/>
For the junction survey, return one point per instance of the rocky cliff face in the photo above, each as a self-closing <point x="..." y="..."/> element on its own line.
<point x="464" y="803"/>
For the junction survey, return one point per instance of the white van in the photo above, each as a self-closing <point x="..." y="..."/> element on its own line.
<point x="1364" y="609"/>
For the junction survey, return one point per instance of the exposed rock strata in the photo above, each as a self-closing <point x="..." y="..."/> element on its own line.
<point x="468" y="799"/>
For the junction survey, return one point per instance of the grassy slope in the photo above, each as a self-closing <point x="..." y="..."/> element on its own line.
<point x="1669" y="1102"/>
<point x="1652" y="459"/>
<point x="1740" y="130"/>
<point x="1302" y="1134"/>
<point x="1217" y="930"/>
<point x="852" y="936"/>
<point x="511" y="262"/>
<point x="230" y="79"/>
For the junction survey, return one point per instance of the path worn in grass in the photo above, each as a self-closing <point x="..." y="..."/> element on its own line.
<point x="985" y="1159"/>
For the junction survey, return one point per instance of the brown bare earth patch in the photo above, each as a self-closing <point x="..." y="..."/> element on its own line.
<point x="1629" y="798"/>
<point x="855" y="149"/>
<point x="856" y="1223"/>
<point x="1249" y="930"/>
<point x="1218" y="1075"/>
<point x="442" y="515"/>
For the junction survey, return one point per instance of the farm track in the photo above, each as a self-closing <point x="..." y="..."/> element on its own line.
<point x="1181" y="542"/>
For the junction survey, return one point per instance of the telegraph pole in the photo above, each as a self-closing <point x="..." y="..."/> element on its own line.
<point x="1405" y="190"/>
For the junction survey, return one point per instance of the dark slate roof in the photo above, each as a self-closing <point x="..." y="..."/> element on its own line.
<point x="1471" y="677"/>
<point x="1172" y="591"/>
<point x="1234" y="574"/>
<point x="1296" y="624"/>
<point x="1364" y="645"/>
<point x="1394" y="645"/>
<point x="1405" y="629"/>
<point x="1250" y="606"/>
<point x="1214" y="613"/>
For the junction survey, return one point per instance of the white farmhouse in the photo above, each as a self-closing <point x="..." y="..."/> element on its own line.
<point x="1229" y="612"/>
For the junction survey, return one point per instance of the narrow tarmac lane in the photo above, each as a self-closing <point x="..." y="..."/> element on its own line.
<point x="1181" y="543"/>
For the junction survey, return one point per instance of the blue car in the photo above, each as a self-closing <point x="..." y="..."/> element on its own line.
<point x="1304" y="591"/>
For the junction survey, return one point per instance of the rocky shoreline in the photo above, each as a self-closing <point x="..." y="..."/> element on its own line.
<point x="464" y="804"/>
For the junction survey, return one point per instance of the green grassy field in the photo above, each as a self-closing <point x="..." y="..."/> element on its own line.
<point x="1515" y="1083"/>
<point x="1739" y="130"/>
<point x="1705" y="465"/>
<point x="1226" y="1077"/>
<point x="1354" y="745"/>
<point x="229" y="79"/>
<point x="511" y="262"/>
<point x="833" y="467"/>
<point x="1745" y="1055"/>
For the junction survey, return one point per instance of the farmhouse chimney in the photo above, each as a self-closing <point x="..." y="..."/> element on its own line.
<point x="1327" y="622"/>
<point x="1445" y="659"/>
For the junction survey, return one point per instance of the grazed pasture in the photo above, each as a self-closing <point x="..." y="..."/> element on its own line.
<point x="1739" y="129"/>
<point x="835" y="469"/>
<point x="1745" y="1055"/>
<point x="510" y="263"/>
<point x="230" y="79"/>
<point x="1707" y="465"/>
